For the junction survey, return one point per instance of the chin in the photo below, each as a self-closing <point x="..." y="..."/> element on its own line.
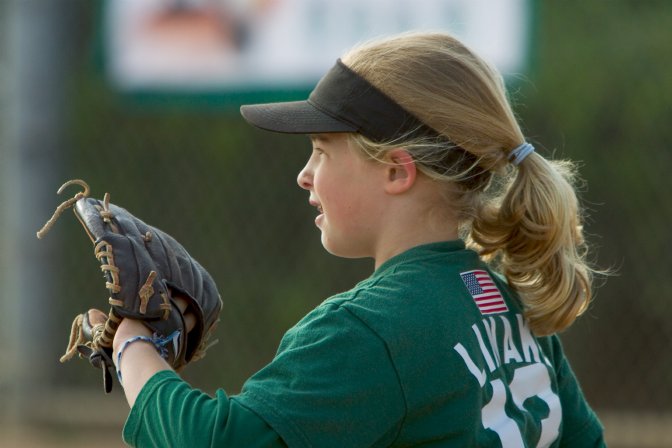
<point x="342" y="250"/>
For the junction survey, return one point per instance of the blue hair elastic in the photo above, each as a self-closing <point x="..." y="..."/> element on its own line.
<point x="520" y="153"/>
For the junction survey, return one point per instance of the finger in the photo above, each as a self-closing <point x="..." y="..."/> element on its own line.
<point x="181" y="303"/>
<point x="94" y="323"/>
<point x="96" y="316"/>
<point x="189" y="321"/>
<point x="189" y="318"/>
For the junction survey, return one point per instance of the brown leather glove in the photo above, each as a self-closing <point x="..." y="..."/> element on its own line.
<point x="142" y="266"/>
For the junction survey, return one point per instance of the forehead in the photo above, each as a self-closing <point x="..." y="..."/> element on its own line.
<point x="318" y="138"/>
<point x="330" y="137"/>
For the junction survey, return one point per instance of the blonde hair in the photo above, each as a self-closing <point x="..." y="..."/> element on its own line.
<point x="525" y="220"/>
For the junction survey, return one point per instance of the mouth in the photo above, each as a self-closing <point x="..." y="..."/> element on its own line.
<point x="317" y="205"/>
<point x="319" y="218"/>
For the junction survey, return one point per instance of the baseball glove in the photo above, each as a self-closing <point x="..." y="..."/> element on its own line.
<point x="143" y="267"/>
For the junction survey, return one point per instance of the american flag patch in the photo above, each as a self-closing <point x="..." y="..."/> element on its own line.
<point x="484" y="291"/>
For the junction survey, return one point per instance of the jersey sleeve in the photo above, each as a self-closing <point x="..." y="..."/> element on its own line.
<point x="169" y="412"/>
<point x="580" y="425"/>
<point x="331" y="384"/>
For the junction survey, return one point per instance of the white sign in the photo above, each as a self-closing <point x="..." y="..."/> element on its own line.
<point x="218" y="44"/>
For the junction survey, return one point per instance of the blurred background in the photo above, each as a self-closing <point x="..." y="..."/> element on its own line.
<point x="140" y="99"/>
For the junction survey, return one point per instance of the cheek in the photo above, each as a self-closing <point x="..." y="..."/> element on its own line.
<point x="326" y="187"/>
<point x="346" y="207"/>
<point x="346" y="195"/>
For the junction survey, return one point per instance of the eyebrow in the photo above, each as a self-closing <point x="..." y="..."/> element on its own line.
<point x="318" y="137"/>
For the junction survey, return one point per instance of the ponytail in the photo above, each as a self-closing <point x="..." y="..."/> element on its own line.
<point x="532" y="230"/>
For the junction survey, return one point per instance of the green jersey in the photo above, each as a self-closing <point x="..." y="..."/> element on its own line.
<point x="431" y="350"/>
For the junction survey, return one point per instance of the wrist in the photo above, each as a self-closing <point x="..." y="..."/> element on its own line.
<point x="127" y="329"/>
<point x="155" y="344"/>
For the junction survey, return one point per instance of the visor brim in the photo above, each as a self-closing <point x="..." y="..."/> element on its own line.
<point x="294" y="117"/>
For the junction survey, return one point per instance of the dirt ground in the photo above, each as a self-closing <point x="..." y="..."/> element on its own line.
<point x="66" y="419"/>
<point x="623" y="430"/>
<point x="35" y="437"/>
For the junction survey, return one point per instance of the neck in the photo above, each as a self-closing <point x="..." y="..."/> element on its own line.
<point x="411" y="234"/>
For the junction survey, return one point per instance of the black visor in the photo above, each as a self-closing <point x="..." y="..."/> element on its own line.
<point x="342" y="101"/>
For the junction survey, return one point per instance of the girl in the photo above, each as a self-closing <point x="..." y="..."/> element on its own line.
<point x="450" y="342"/>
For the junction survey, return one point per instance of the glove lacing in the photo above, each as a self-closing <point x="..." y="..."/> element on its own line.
<point x="102" y="335"/>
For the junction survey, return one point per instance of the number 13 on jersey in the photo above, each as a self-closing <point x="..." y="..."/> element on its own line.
<point x="528" y="382"/>
<point x="523" y="409"/>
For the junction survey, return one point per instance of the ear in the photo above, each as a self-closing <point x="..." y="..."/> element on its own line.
<point x="400" y="171"/>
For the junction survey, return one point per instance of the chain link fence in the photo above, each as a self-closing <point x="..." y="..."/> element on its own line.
<point x="228" y="193"/>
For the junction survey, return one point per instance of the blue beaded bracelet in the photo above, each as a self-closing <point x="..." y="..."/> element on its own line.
<point x="157" y="341"/>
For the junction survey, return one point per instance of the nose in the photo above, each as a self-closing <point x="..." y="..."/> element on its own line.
<point x="305" y="178"/>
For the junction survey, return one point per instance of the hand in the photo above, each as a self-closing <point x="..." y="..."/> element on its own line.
<point x="129" y="328"/>
<point x="142" y="361"/>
